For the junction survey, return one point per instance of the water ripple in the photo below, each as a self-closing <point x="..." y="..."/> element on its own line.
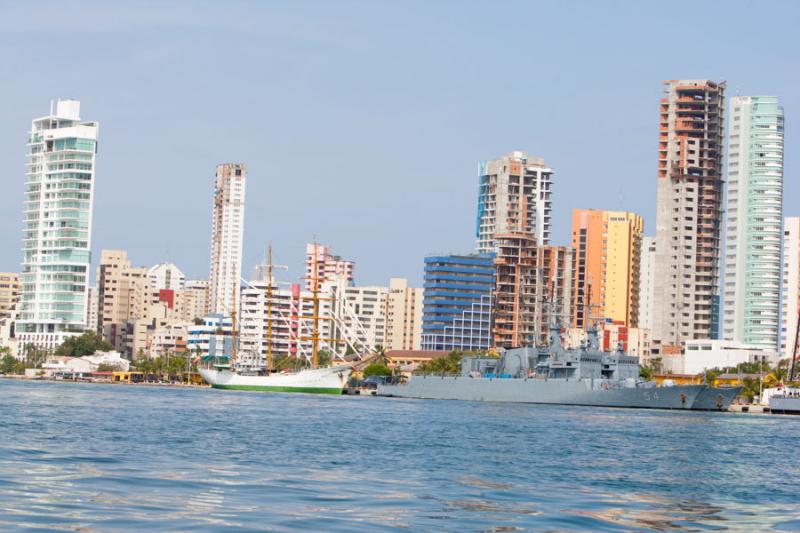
<point x="77" y="457"/>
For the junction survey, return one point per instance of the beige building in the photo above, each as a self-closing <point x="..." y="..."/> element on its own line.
<point x="403" y="316"/>
<point x="151" y="333"/>
<point x="123" y="293"/>
<point x="200" y="296"/>
<point x="354" y="313"/>
<point x="10" y="290"/>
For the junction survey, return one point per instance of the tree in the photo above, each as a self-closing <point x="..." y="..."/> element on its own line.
<point x="85" y="344"/>
<point x="450" y="364"/>
<point x="646" y="373"/>
<point x="377" y="369"/>
<point x="105" y="367"/>
<point x="176" y="365"/>
<point x="10" y="365"/>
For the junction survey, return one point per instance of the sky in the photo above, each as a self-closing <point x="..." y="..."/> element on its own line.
<point x="362" y="123"/>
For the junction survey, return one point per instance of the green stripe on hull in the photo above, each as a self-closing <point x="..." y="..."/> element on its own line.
<point x="267" y="388"/>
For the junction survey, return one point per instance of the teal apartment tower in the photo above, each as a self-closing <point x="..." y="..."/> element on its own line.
<point x="752" y="283"/>
<point x="57" y="227"/>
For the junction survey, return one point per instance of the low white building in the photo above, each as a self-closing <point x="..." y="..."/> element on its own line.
<point x="61" y="364"/>
<point x="703" y="354"/>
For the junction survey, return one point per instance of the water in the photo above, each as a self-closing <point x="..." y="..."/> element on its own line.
<point x="81" y="457"/>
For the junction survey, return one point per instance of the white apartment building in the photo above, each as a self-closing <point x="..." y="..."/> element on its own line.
<point x="751" y="295"/>
<point x="514" y="196"/>
<point x="166" y="276"/>
<point x="227" y="233"/>
<point x="60" y="177"/>
<point x="281" y="318"/>
<point x="647" y="288"/>
<point x="403" y="316"/>
<point x="358" y="314"/>
<point x="790" y="302"/>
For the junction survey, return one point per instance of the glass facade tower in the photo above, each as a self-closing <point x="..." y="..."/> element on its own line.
<point x="57" y="227"/>
<point x="751" y="295"/>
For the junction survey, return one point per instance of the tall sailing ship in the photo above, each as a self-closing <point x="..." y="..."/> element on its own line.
<point x="227" y="372"/>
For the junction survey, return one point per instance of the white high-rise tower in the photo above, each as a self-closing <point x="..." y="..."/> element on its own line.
<point x="57" y="227"/>
<point x="227" y="232"/>
<point x="751" y="296"/>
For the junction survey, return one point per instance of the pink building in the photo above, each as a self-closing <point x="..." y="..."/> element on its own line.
<point x="329" y="266"/>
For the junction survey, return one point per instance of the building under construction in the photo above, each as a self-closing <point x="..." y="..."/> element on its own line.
<point x="689" y="211"/>
<point x="528" y="278"/>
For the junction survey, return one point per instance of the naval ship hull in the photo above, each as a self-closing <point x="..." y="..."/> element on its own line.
<point x="559" y="392"/>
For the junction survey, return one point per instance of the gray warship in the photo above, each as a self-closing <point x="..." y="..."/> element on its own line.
<point x="584" y="376"/>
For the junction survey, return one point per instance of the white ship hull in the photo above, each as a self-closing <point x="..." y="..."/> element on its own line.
<point x="330" y="380"/>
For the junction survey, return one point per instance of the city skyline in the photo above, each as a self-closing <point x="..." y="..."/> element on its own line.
<point x="425" y="166"/>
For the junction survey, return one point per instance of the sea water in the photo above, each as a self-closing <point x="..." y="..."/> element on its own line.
<point x="89" y="457"/>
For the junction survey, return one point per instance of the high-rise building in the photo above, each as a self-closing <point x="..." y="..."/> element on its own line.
<point x="166" y="276"/>
<point x="530" y="282"/>
<point x="58" y="223"/>
<point x="10" y="290"/>
<point x="647" y="266"/>
<point x="227" y="233"/>
<point x="403" y="316"/>
<point x="790" y="302"/>
<point x="689" y="212"/>
<point x="514" y="197"/>
<point x="123" y="293"/>
<point x="751" y="296"/>
<point x="607" y="255"/>
<point x="329" y="266"/>
<point x="457" y="302"/>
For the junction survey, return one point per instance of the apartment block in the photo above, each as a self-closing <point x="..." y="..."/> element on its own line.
<point x="329" y="267"/>
<point x="124" y="293"/>
<point x="403" y="316"/>
<point x="457" y="302"/>
<point x="514" y="197"/>
<point x="200" y="289"/>
<point x="689" y="211"/>
<point x="213" y="335"/>
<point x="60" y="177"/>
<point x="790" y="301"/>
<point x="227" y="234"/>
<point x="166" y="276"/>
<point x="647" y="267"/>
<point x="531" y="282"/>
<point x="10" y="292"/>
<point x="751" y="310"/>
<point x="274" y="320"/>
<point x="607" y="255"/>
<point x="354" y="314"/>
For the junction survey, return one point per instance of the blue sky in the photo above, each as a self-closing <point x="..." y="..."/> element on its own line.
<point x="362" y="123"/>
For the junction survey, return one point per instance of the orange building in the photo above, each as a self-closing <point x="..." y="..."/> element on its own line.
<point x="607" y="255"/>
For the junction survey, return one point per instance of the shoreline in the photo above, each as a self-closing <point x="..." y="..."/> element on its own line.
<point x="108" y="382"/>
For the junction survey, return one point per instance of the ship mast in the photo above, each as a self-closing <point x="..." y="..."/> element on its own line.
<point x="233" y="327"/>
<point x="315" y="313"/>
<point x="794" y="350"/>
<point x="269" y="309"/>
